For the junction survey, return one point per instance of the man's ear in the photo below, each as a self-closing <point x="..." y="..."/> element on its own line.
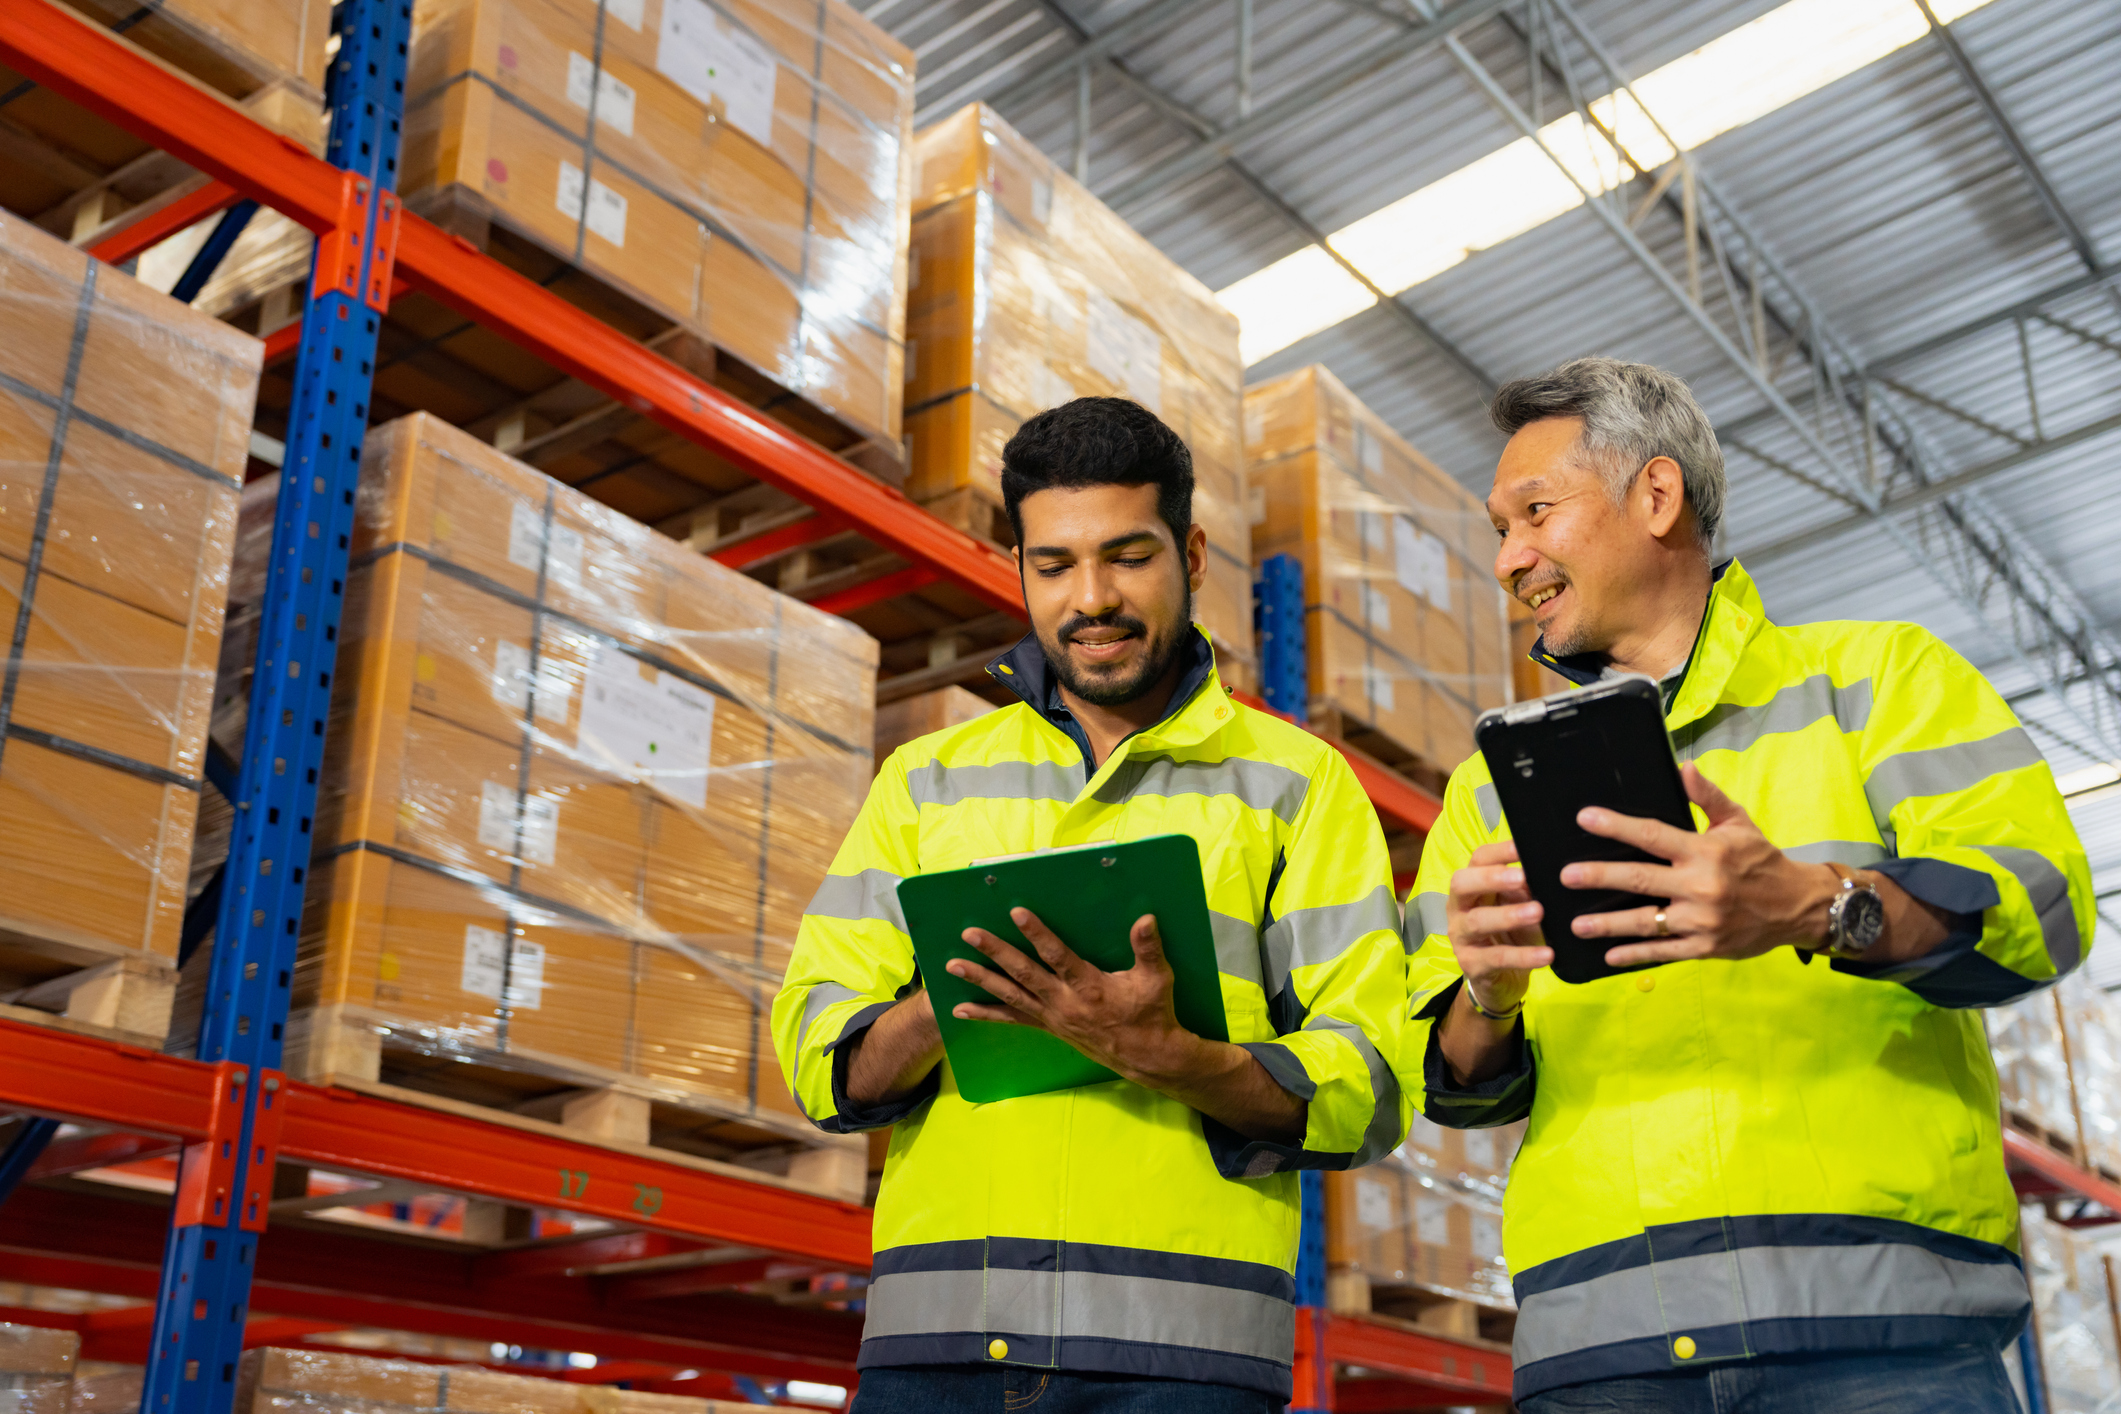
<point x="1661" y="491"/>
<point x="1197" y="556"/>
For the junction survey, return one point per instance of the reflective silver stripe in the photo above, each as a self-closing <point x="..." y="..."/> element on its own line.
<point x="1082" y="1306"/>
<point x="1490" y="806"/>
<point x="1236" y="946"/>
<point x="1382" y="1135"/>
<point x="1434" y="913"/>
<point x="1942" y="770"/>
<point x="1856" y="854"/>
<point x="1730" y="727"/>
<point x="937" y="784"/>
<point x="859" y="898"/>
<point x="1310" y="936"/>
<point x="1261" y="785"/>
<point x="1772" y="1283"/>
<point x="2048" y="890"/>
<point x="822" y="996"/>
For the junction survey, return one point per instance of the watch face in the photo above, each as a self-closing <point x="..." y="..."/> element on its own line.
<point x="1861" y="922"/>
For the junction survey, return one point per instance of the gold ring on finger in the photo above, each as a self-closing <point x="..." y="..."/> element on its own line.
<point x="1664" y="929"/>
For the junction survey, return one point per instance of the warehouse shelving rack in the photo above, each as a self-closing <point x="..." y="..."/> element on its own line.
<point x="682" y="1230"/>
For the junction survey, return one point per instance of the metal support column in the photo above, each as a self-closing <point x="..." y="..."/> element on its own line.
<point x="1278" y="627"/>
<point x="225" y="1183"/>
<point x="1314" y="1382"/>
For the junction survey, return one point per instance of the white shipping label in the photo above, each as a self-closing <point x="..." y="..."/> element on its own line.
<point x="626" y="12"/>
<point x="1373" y="1204"/>
<point x="512" y="682"/>
<point x="1127" y="351"/>
<point x="1480" y="1149"/>
<point x="1376" y="608"/>
<point x="1255" y="425"/>
<point x="1425" y="1133"/>
<point x="1052" y="389"/>
<point x="1487" y="1239"/>
<point x="1373" y="453"/>
<point x="1378" y="683"/>
<point x="605" y="210"/>
<point x="714" y="60"/>
<point x="1041" y="200"/>
<point x="515" y="976"/>
<point x="526" y="542"/>
<point x="650" y="725"/>
<point x="614" y="95"/>
<point x="1422" y="563"/>
<point x="498" y="820"/>
<point x="1376" y="535"/>
<point x="1432" y="1221"/>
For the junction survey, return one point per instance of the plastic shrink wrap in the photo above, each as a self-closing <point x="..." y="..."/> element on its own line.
<point x="2091" y="1020"/>
<point x="1031" y="292"/>
<point x="581" y="783"/>
<point x="1429" y="1216"/>
<point x="124" y="428"/>
<point x="36" y="1369"/>
<point x="1405" y="626"/>
<point x="107" y="1389"/>
<point x="280" y="1381"/>
<point x="2032" y="1068"/>
<point x="741" y="166"/>
<point x="2074" y="1295"/>
<point x="235" y="46"/>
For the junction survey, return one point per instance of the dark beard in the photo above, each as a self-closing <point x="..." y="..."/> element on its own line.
<point x="1108" y="692"/>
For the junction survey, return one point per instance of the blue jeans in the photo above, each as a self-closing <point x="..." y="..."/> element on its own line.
<point x="1011" y="1389"/>
<point x="1954" y="1380"/>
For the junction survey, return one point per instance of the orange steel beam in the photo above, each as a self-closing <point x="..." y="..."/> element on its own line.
<point x="94" y="68"/>
<point x="1430" y="1360"/>
<point x="807" y="531"/>
<point x="164" y="221"/>
<point x="2058" y="1170"/>
<point x="70" y="1076"/>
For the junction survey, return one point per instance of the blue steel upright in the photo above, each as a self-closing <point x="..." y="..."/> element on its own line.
<point x="225" y="1184"/>
<point x="1278" y="633"/>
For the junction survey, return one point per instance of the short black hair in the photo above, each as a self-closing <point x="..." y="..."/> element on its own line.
<point x="1099" y="442"/>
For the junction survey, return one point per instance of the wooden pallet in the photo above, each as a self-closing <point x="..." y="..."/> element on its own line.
<point x="1350" y="730"/>
<point x="326" y="1046"/>
<point x="1353" y="1293"/>
<point x="120" y="996"/>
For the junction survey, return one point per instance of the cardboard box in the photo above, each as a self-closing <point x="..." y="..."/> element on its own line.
<point x="743" y="170"/>
<point x="1029" y="292"/>
<point x="1404" y="623"/>
<point x="1400" y="1226"/>
<point x="36" y="1369"/>
<point x="581" y="782"/>
<point x="277" y="1381"/>
<point x="236" y="46"/>
<point x="129" y="415"/>
<point x="900" y="722"/>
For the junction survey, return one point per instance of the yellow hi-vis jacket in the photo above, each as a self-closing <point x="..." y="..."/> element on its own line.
<point x="1733" y="1159"/>
<point x="1109" y="1228"/>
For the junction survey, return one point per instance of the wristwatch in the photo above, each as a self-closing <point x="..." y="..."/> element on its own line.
<point x="1855" y="920"/>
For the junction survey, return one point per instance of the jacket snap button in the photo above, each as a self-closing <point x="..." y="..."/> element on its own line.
<point x="1645" y="983"/>
<point x="1682" y="1347"/>
<point x="999" y="1349"/>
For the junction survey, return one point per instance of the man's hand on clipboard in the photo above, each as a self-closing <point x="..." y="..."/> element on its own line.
<point x="1124" y="1021"/>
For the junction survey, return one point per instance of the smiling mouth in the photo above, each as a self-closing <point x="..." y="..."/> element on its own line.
<point x="1541" y="596"/>
<point x="1101" y="649"/>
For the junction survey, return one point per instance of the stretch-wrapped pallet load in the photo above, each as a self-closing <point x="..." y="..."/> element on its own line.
<point x="2075" y="1291"/>
<point x="581" y="783"/>
<point x="1030" y="292"/>
<point x="124" y="430"/>
<point x="1428" y="1219"/>
<point x="1405" y="627"/>
<point x="2032" y="1067"/>
<point x="279" y="1381"/>
<point x="234" y="46"/>
<point x="36" y="1369"/>
<point x="741" y="166"/>
<point x="2091" y="1019"/>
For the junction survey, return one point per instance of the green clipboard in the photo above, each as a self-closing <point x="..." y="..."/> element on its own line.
<point x="1089" y="896"/>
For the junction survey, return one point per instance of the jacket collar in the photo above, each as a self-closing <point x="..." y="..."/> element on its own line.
<point x="1734" y="616"/>
<point x="1191" y="716"/>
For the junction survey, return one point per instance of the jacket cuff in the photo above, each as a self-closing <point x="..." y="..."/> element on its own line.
<point x="1500" y="1099"/>
<point x="1237" y="1156"/>
<point x="851" y="1118"/>
<point x="1955" y="973"/>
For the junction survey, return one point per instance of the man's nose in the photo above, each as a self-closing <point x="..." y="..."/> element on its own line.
<point x="1095" y="592"/>
<point x="1513" y="561"/>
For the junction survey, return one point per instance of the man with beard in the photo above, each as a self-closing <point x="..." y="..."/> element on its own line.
<point x="1128" y="1245"/>
<point x="1766" y="1174"/>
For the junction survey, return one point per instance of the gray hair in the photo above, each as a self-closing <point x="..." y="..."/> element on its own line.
<point x="1631" y="413"/>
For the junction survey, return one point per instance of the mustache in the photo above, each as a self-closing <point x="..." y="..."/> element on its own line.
<point x="1125" y="622"/>
<point x="1526" y="588"/>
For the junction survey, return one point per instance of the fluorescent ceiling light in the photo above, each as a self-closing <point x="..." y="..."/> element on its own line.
<point x="1757" y="68"/>
<point x="2087" y="779"/>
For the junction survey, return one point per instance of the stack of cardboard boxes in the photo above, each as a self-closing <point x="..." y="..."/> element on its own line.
<point x="581" y="783"/>
<point x="36" y="1369"/>
<point x="127" y="417"/>
<point x="279" y="1381"/>
<point x="2058" y="1065"/>
<point x="1029" y="293"/>
<point x="1405" y="627"/>
<point x="741" y="166"/>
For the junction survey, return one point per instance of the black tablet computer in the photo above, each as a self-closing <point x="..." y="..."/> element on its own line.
<point x="1601" y="745"/>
